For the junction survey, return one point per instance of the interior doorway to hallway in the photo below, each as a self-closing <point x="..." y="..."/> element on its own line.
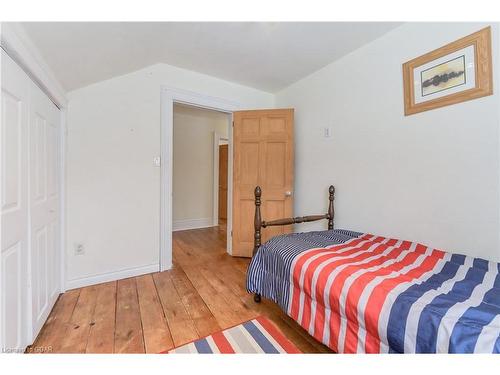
<point x="200" y="167"/>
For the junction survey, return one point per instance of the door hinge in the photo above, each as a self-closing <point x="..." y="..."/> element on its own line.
<point x="231" y="233"/>
<point x="233" y="124"/>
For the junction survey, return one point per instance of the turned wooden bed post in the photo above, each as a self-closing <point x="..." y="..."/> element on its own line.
<point x="257" y="220"/>
<point x="257" y="225"/>
<point x="331" y="210"/>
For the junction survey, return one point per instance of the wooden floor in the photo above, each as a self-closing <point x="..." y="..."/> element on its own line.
<point x="203" y="293"/>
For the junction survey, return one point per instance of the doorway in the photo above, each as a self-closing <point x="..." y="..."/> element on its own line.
<point x="200" y="170"/>
<point x="170" y="96"/>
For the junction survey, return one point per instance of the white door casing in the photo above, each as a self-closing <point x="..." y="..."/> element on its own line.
<point x="14" y="207"/>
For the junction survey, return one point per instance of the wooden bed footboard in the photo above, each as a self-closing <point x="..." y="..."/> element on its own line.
<point x="259" y="223"/>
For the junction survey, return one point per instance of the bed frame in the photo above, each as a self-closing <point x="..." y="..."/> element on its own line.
<point x="259" y="223"/>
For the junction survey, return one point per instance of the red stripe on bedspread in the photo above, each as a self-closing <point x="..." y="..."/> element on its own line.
<point x="380" y="293"/>
<point x="327" y="284"/>
<point x="354" y="295"/>
<point x="299" y="264"/>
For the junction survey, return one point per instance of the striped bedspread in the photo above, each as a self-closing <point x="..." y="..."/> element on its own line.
<point x="363" y="293"/>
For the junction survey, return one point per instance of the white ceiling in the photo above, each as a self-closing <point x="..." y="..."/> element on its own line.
<point x="268" y="56"/>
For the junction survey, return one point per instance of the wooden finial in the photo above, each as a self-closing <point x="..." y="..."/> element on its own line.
<point x="331" y="211"/>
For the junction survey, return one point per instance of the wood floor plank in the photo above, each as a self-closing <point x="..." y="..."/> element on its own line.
<point x="218" y="305"/>
<point x="156" y="333"/>
<point x="182" y="327"/>
<point x="128" y="330"/>
<point x="102" y="329"/>
<point x="77" y="331"/>
<point x="51" y="336"/>
<point x="204" y="320"/>
<point x="243" y="310"/>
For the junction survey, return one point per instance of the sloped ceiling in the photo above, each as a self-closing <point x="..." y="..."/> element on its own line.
<point x="266" y="56"/>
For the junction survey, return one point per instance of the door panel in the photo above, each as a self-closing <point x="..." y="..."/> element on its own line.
<point x="44" y="205"/>
<point x="12" y="290"/>
<point x="276" y="164"/>
<point x="11" y="156"/>
<point x="249" y="163"/>
<point x="223" y="157"/>
<point x="52" y="161"/>
<point x="14" y="206"/>
<point x="38" y="162"/>
<point x="263" y="155"/>
<point x="39" y="256"/>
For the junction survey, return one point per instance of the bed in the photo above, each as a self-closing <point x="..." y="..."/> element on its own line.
<point x="363" y="293"/>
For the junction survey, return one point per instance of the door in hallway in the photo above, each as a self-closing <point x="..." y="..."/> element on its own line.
<point x="223" y="150"/>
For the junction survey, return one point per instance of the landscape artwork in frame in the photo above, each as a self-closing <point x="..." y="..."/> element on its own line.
<point x="452" y="74"/>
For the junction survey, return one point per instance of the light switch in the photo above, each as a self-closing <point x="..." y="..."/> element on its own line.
<point x="157" y="161"/>
<point x="327" y="132"/>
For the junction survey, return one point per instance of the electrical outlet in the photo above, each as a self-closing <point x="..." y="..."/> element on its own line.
<point x="79" y="249"/>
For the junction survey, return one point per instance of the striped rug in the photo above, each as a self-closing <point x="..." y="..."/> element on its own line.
<point x="258" y="335"/>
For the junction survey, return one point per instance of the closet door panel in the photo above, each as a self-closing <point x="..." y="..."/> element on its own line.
<point x="44" y="205"/>
<point x="14" y="207"/>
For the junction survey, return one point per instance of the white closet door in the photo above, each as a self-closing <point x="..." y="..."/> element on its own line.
<point x="44" y="206"/>
<point x="14" y="325"/>
<point x="30" y="222"/>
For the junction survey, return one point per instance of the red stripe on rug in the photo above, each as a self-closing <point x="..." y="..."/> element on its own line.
<point x="222" y="343"/>
<point x="278" y="336"/>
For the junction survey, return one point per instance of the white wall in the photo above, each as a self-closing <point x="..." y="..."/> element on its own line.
<point x="113" y="189"/>
<point x="192" y="203"/>
<point x="432" y="177"/>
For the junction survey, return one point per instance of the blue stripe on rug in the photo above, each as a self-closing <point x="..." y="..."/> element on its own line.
<point x="259" y="337"/>
<point x="203" y="347"/>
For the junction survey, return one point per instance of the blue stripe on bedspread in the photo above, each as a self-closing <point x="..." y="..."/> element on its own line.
<point x="269" y="270"/>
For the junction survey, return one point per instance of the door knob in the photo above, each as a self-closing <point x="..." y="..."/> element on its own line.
<point x="288" y="193"/>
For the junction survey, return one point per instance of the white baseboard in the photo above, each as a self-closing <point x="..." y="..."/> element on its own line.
<point x="192" y="224"/>
<point x="111" y="276"/>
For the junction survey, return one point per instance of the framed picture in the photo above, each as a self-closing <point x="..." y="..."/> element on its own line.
<point x="457" y="72"/>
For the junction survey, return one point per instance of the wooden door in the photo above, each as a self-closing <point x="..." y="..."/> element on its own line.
<point x="44" y="205"/>
<point x="223" y="150"/>
<point x="263" y="155"/>
<point x="14" y="207"/>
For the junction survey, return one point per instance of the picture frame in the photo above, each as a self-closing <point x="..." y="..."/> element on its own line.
<point x="454" y="73"/>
